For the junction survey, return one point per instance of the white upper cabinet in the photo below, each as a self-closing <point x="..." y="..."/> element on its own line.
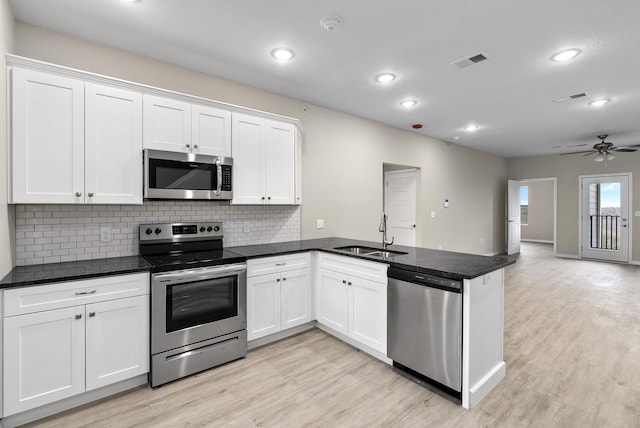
<point x="47" y="144"/>
<point x="113" y="145"/>
<point x="264" y="169"/>
<point x="178" y="126"/>
<point x="74" y="142"/>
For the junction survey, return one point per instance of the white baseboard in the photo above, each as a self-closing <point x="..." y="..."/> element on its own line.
<point x="255" y="343"/>
<point x="478" y="391"/>
<point x="539" y="241"/>
<point x="634" y="262"/>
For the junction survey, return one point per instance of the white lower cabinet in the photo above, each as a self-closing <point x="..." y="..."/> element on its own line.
<point x="352" y="299"/>
<point x="87" y="343"/>
<point x="280" y="299"/>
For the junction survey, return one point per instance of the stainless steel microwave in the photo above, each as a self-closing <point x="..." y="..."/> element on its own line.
<point x="173" y="175"/>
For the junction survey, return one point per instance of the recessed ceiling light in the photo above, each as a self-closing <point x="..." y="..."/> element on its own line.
<point x="282" y="54"/>
<point x="385" y="77"/>
<point x="598" y="103"/>
<point x="566" y="55"/>
<point x="471" y="128"/>
<point x="408" y="103"/>
<point x="131" y="1"/>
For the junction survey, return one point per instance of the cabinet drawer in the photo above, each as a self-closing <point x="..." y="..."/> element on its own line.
<point x="27" y="300"/>
<point x="351" y="266"/>
<point x="278" y="264"/>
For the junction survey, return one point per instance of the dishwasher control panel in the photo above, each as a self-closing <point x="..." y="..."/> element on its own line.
<point x="425" y="279"/>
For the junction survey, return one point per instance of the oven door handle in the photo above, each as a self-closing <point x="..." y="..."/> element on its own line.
<point x="190" y="275"/>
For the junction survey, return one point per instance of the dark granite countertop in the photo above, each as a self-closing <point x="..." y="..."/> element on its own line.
<point x="22" y="276"/>
<point x="436" y="262"/>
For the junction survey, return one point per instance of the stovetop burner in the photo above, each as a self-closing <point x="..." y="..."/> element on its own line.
<point x="177" y="246"/>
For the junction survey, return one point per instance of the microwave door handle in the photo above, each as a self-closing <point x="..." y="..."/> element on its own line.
<point x="219" y="172"/>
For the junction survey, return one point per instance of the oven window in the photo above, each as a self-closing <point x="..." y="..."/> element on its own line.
<point x="201" y="302"/>
<point x="166" y="174"/>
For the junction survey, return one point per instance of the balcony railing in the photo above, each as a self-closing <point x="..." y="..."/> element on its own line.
<point x="604" y="232"/>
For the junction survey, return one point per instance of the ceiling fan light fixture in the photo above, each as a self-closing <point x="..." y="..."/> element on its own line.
<point x="599" y="158"/>
<point x="609" y="157"/>
<point x="599" y="103"/>
<point x="385" y="77"/>
<point x="566" y="55"/>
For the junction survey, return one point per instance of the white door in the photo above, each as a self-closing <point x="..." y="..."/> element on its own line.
<point x="47" y="146"/>
<point x="210" y="131"/>
<point x="513" y="217"/>
<point x="43" y="358"/>
<point x="368" y="313"/>
<point x="113" y="145"/>
<point x="295" y="289"/>
<point x="333" y="301"/>
<point x="605" y="217"/>
<point x="263" y="305"/>
<point x="117" y="340"/>
<point x="400" y="206"/>
<point x="167" y="124"/>
<point x="280" y="163"/>
<point x="248" y="135"/>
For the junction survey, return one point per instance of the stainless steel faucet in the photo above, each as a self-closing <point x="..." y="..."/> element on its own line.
<point x="383" y="228"/>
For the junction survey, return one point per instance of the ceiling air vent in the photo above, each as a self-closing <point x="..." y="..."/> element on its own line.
<point x="465" y="62"/>
<point x="580" y="95"/>
<point x="570" y="97"/>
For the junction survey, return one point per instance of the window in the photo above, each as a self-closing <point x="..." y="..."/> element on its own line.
<point x="524" y="205"/>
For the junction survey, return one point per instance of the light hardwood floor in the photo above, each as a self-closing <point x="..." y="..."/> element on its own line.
<point x="572" y="348"/>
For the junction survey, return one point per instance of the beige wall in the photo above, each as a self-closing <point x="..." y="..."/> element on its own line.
<point x="567" y="169"/>
<point x="540" y="223"/>
<point x="7" y="221"/>
<point x="342" y="154"/>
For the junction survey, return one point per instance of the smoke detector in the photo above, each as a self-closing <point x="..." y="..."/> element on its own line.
<point x="330" y="22"/>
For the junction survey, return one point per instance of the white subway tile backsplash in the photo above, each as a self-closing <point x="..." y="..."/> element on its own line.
<point x="62" y="233"/>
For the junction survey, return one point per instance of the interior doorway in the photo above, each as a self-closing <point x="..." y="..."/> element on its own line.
<point x="400" y="203"/>
<point x="604" y="213"/>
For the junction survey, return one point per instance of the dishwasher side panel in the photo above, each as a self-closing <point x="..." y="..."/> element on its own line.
<point x="424" y="331"/>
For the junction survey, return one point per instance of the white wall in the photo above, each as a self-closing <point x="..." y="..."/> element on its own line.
<point x="540" y="222"/>
<point x="342" y="154"/>
<point x="567" y="169"/>
<point x="7" y="229"/>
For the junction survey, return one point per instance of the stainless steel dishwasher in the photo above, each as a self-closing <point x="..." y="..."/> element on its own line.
<point x="424" y="327"/>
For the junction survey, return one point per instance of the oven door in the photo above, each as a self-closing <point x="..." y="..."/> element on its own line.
<point x="169" y="175"/>
<point x="193" y="305"/>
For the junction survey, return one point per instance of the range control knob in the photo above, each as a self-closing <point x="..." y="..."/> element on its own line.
<point x="149" y="231"/>
<point x="209" y="229"/>
<point x="217" y="228"/>
<point x="202" y="229"/>
<point x="158" y="230"/>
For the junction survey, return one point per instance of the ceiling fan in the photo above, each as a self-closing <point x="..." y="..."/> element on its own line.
<point x="604" y="149"/>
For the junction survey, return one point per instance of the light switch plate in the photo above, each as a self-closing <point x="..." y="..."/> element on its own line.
<point x="433" y="214"/>
<point x="637" y="213"/>
<point x="320" y="224"/>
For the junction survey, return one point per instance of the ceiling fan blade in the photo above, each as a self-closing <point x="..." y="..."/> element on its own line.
<point x="623" y="149"/>
<point x="629" y="146"/>
<point x="588" y="152"/>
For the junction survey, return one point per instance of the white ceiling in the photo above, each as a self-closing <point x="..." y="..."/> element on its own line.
<point x="510" y="96"/>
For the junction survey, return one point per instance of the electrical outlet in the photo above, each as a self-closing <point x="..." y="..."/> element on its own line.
<point x="320" y="224"/>
<point x="482" y="241"/>
<point x="105" y="234"/>
<point x="433" y="214"/>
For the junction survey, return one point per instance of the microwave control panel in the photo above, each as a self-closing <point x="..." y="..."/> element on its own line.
<point x="226" y="178"/>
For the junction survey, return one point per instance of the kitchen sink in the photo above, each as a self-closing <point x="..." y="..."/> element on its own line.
<point x="369" y="251"/>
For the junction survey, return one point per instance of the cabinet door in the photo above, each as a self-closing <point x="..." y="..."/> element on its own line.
<point x="210" y="131"/>
<point x="333" y="301"/>
<point x="248" y="159"/>
<point x="295" y="289"/>
<point x="113" y="145"/>
<point x="368" y="313"/>
<point x="280" y="163"/>
<point x="117" y="340"/>
<point x="167" y="124"/>
<point x="47" y="141"/>
<point x="43" y="358"/>
<point x="263" y="305"/>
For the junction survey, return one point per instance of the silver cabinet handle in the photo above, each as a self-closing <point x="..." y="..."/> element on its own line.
<point x="281" y="264"/>
<point x="277" y="279"/>
<point x="78" y="194"/>
<point x="84" y="293"/>
<point x="219" y="170"/>
<point x="195" y="146"/>
<point x="349" y="283"/>
<point x="344" y="281"/>
<point x="284" y="279"/>
<point x="78" y="316"/>
<point x="92" y="314"/>
<point x="90" y="194"/>
<point x="263" y="198"/>
<point x="188" y="145"/>
<point x="269" y="198"/>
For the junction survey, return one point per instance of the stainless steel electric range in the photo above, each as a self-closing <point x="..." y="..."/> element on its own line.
<point x="198" y="299"/>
